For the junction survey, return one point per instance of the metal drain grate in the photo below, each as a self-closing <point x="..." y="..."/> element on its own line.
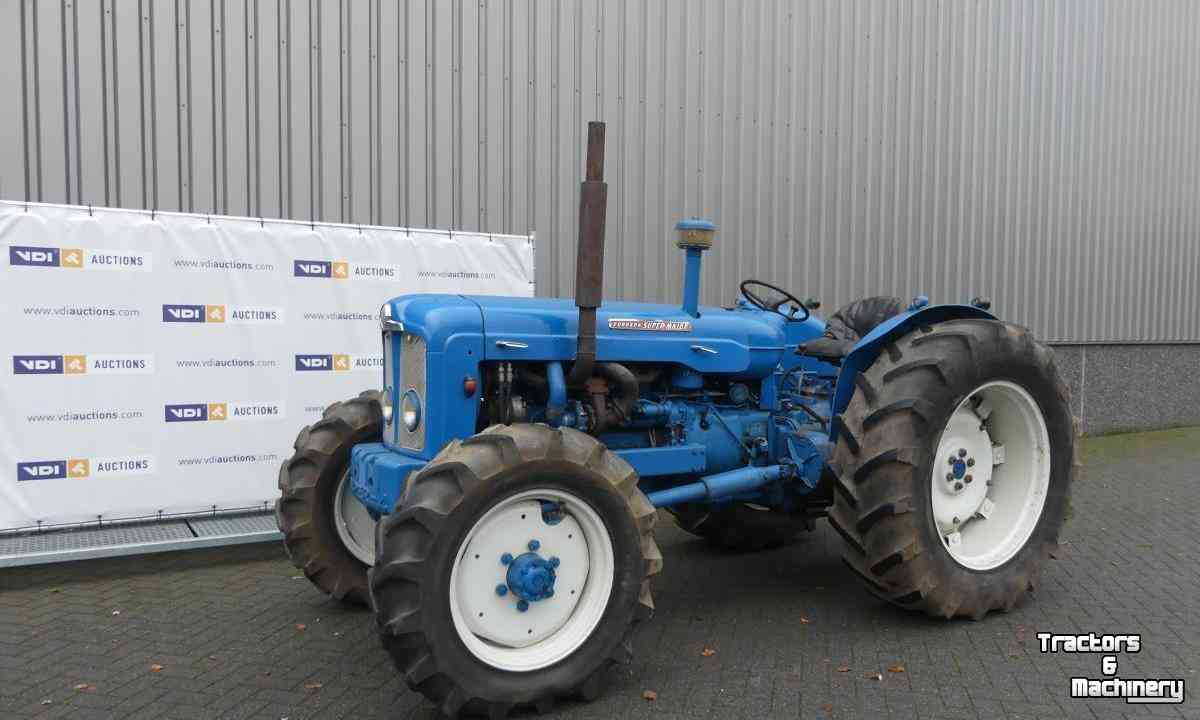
<point x="136" y="538"/>
<point x="218" y="526"/>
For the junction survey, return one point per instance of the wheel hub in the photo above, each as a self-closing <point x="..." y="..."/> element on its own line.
<point x="531" y="576"/>
<point x="522" y="573"/>
<point x="962" y="486"/>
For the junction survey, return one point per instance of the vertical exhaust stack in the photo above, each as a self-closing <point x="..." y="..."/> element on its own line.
<point x="589" y="261"/>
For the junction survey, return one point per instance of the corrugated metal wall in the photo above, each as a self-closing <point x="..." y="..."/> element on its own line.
<point x="1044" y="153"/>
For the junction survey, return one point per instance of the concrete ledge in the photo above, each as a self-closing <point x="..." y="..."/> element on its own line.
<point x="1125" y="388"/>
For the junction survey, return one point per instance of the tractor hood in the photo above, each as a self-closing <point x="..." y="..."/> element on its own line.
<point x="740" y="341"/>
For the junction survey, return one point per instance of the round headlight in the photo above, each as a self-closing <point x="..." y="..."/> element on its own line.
<point x="410" y="410"/>
<point x="386" y="406"/>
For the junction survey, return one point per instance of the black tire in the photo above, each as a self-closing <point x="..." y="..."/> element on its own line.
<point x="417" y="545"/>
<point x="739" y="526"/>
<point x="887" y="437"/>
<point x="308" y="483"/>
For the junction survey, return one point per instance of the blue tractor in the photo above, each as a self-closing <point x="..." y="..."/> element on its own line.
<point x="494" y="501"/>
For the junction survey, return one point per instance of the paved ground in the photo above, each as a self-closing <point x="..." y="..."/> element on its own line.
<point x="236" y="635"/>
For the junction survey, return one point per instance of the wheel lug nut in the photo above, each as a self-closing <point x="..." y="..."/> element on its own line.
<point x="522" y="605"/>
<point x="554" y="562"/>
<point x="958" y="486"/>
<point x="950" y="460"/>
<point x="534" y="545"/>
<point x="949" y="477"/>
<point x="968" y="479"/>
<point x="506" y="558"/>
<point x="962" y="453"/>
<point x="501" y="590"/>
<point x="970" y="462"/>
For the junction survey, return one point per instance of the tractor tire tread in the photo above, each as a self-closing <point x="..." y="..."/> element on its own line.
<point x="430" y="497"/>
<point x="880" y="459"/>
<point x="321" y="450"/>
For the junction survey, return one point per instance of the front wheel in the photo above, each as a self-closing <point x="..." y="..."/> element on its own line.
<point x="954" y="461"/>
<point x="327" y="532"/>
<point x="514" y="570"/>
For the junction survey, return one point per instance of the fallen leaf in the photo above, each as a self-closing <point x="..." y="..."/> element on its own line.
<point x="297" y="577"/>
<point x="708" y="652"/>
<point x="85" y="687"/>
<point x="156" y="668"/>
<point x="212" y="657"/>
<point x="313" y="685"/>
<point x="47" y="701"/>
<point x="301" y="627"/>
<point x="827" y="708"/>
<point x="804" y="620"/>
<point x="874" y="676"/>
<point x="267" y="673"/>
<point x="896" y="668"/>
<point x="116" y="612"/>
<point x="843" y="668"/>
<point x="55" y="590"/>
<point x="649" y="695"/>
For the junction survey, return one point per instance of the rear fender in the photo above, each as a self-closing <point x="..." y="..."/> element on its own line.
<point x="863" y="354"/>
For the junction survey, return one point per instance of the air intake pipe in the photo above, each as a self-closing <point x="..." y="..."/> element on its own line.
<point x="695" y="236"/>
<point x="589" y="260"/>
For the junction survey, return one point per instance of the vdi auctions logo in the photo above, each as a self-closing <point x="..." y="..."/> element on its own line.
<point x="220" y="314"/>
<point x="196" y="412"/>
<point x="342" y="270"/>
<point x="221" y="411"/>
<point x="335" y="269"/>
<point x="42" y="470"/>
<point x="322" y="363"/>
<point x="31" y="256"/>
<point x="81" y="364"/>
<point x="193" y="313"/>
<point x="76" y="258"/>
<point x="337" y="362"/>
<point x="80" y="468"/>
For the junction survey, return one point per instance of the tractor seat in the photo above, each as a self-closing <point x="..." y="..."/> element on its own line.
<point x="848" y="325"/>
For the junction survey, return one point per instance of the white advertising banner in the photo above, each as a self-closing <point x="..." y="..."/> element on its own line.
<point x="164" y="362"/>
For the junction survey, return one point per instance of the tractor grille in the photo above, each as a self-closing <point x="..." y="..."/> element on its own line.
<point x="389" y="392"/>
<point x="412" y="375"/>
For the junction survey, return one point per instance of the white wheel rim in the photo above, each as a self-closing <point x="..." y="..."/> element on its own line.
<point x="491" y="624"/>
<point x="354" y="523"/>
<point x="991" y="475"/>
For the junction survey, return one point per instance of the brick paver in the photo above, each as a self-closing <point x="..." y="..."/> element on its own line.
<point x="239" y="636"/>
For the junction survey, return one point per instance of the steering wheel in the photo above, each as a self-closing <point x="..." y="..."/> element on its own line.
<point x="758" y="301"/>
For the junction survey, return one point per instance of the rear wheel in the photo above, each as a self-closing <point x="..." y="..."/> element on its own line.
<point x="327" y="532"/>
<point x="954" y="462"/>
<point x="740" y="526"/>
<point x="514" y="570"/>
